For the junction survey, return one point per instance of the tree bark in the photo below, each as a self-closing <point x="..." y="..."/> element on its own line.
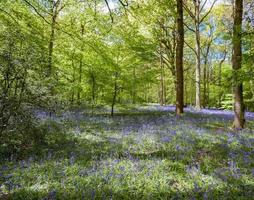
<point x="134" y="86"/>
<point x="239" y="120"/>
<point x="162" y="85"/>
<point x="93" y="87"/>
<point x="198" y="54"/>
<point x="206" y="73"/>
<point x="80" y="79"/>
<point x="205" y="84"/>
<point x="54" y="13"/>
<point x="51" y="46"/>
<point x="114" y="95"/>
<point x="220" y="78"/>
<point x="73" y="79"/>
<point x="179" y="59"/>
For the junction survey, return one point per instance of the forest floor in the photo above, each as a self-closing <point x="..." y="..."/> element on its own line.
<point x="142" y="153"/>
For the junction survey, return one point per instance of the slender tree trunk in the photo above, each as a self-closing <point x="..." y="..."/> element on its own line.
<point x="54" y="14"/>
<point x="205" y="85"/>
<point x="162" y="87"/>
<point x="198" y="55"/>
<point x="80" y="79"/>
<point x="114" y="96"/>
<point x="179" y="59"/>
<point x="186" y="92"/>
<point x="93" y="90"/>
<point x="165" y="89"/>
<point x="80" y="67"/>
<point x="51" y="71"/>
<point x="206" y="75"/>
<point x="239" y="120"/>
<point x="73" y="80"/>
<point x="93" y="87"/>
<point x="134" y="86"/>
<point x="51" y="45"/>
<point x="220" y="89"/>
<point x="220" y="78"/>
<point x="51" y="51"/>
<point x="252" y="89"/>
<point x="208" y="88"/>
<point x="173" y="57"/>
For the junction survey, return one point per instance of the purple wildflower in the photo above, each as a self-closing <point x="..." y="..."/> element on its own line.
<point x="93" y="194"/>
<point x="72" y="158"/>
<point x="166" y="139"/>
<point x="52" y="195"/>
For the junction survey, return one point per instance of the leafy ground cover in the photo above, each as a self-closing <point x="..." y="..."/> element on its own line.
<point x="143" y="153"/>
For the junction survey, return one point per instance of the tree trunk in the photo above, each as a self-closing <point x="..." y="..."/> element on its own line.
<point x="220" y="78"/>
<point x="80" y="79"/>
<point x="73" y="79"/>
<point x="134" y="86"/>
<point x="51" y="45"/>
<point x="239" y="120"/>
<point x="114" y="96"/>
<point x="179" y="59"/>
<point x="162" y="87"/>
<point x="186" y="92"/>
<point x="198" y="55"/>
<point x="206" y="75"/>
<point x="205" y="85"/>
<point x="54" y="14"/>
<point x="208" y="87"/>
<point x="220" y="85"/>
<point x="93" y="88"/>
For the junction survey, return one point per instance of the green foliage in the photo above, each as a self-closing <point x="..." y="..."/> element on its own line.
<point x="227" y="102"/>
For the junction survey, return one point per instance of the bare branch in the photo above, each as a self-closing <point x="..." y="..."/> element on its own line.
<point x="35" y="9"/>
<point x="31" y="5"/>
<point x="1" y="10"/>
<point x="123" y="4"/>
<point x="202" y="7"/>
<point x="191" y="29"/>
<point x="110" y="11"/>
<point x="191" y="48"/>
<point x="188" y="11"/>
<point x="208" y="12"/>
<point x="224" y="57"/>
<point x="61" y="8"/>
<point x="165" y="58"/>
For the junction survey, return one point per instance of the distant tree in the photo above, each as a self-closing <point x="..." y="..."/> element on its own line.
<point x="206" y="51"/>
<point x="198" y="18"/>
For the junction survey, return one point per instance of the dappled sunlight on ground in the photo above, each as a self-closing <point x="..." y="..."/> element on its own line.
<point x="145" y="153"/>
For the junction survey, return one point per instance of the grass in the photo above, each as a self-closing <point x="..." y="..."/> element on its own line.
<point x="145" y="153"/>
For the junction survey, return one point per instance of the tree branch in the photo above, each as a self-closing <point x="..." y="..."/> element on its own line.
<point x="189" y="27"/>
<point x="191" y="48"/>
<point x="38" y="13"/>
<point x="123" y="4"/>
<point x="9" y="15"/>
<point x="110" y="11"/>
<point x="188" y="11"/>
<point x="202" y="7"/>
<point x="208" y="12"/>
